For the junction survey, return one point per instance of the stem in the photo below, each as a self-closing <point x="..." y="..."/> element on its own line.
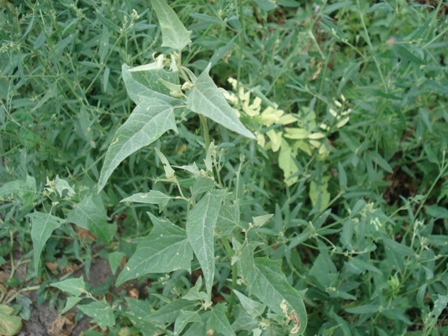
<point x="230" y="253"/>
<point x="205" y="131"/>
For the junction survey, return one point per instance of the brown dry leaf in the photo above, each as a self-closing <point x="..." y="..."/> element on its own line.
<point x="71" y="267"/>
<point x="63" y="325"/>
<point x="133" y="293"/>
<point x="52" y="266"/>
<point x="3" y="277"/>
<point x="86" y="234"/>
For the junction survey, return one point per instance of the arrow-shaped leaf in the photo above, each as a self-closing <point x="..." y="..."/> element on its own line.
<point x="268" y="283"/>
<point x="164" y="250"/>
<point x="174" y="33"/>
<point x="205" y="98"/>
<point x="146" y="124"/>
<point x="201" y="221"/>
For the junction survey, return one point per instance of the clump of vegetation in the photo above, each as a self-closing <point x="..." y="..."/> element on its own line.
<point x="245" y="167"/>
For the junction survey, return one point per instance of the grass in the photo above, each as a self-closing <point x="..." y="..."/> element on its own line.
<point x="355" y="178"/>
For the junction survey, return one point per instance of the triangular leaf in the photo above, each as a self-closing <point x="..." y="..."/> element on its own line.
<point x="164" y="250"/>
<point x="42" y="226"/>
<point x="174" y="33"/>
<point x="91" y="215"/>
<point x="101" y="312"/>
<point x="146" y="124"/>
<point x="253" y="308"/>
<point x="184" y="318"/>
<point x="218" y="322"/>
<point x="168" y="313"/>
<point x="73" y="286"/>
<point x="201" y="221"/>
<point x="267" y="282"/>
<point x="205" y="98"/>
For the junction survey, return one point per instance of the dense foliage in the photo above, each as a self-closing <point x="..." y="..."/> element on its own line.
<point x="254" y="167"/>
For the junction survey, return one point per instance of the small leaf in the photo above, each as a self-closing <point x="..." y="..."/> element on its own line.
<point x="115" y="259"/>
<point x="71" y="302"/>
<point x="201" y="221"/>
<point x="268" y="283"/>
<point x="218" y="322"/>
<point x="253" y="308"/>
<point x="363" y="309"/>
<point x="205" y="98"/>
<point x="164" y="250"/>
<point x="62" y="185"/>
<point x="174" y="33"/>
<point x="153" y="197"/>
<point x="145" y="125"/>
<point x="170" y="312"/>
<point x="42" y="226"/>
<point x="169" y="172"/>
<point x="73" y="286"/>
<point x="184" y="318"/>
<point x="261" y="220"/>
<point x="25" y="190"/>
<point x="101" y="313"/>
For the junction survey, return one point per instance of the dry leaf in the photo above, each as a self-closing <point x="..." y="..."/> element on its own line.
<point x="63" y="325"/>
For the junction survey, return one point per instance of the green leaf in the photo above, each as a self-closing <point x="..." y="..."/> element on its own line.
<point x="169" y="313"/>
<point x="363" y="309"/>
<point x="324" y="270"/>
<point x="25" y="190"/>
<point x="145" y="86"/>
<point x="201" y="221"/>
<point x="266" y="5"/>
<point x="101" y="313"/>
<point x="145" y="125"/>
<point x="174" y="33"/>
<point x="205" y="98"/>
<point x="115" y="259"/>
<point x="42" y="226"/>
<point x="319" y="195"/>
<point x="62" y="185"/>
<point x="253" y="308"/>
<point x="75" y="286"/>
<point x="437" y="211"/>
<point x="153" y="197"/>
<point x="184" y="318"/>
<point x="164" y="250"/>
<point x="261" y="220"/>
<point x="91" y="215"/>
<point x="9" y="325"/>
<point x="218" y="322"/>
<point x="267" y="282"/>
<point x="169" y="172"/>
<point x="71" y="302"/>
<point x="228" y="219"/>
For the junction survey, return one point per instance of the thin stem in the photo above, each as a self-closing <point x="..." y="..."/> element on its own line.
<point x="205" y="131"/>
<point x="230" y="253"/>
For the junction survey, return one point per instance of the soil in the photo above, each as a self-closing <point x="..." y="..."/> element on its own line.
<point x="43" y="316"/>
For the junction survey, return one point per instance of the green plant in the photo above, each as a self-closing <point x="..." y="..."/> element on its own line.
<point x="340" y="201"/>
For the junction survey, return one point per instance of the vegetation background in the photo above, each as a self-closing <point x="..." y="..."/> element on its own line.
<point x="345" y="185"/>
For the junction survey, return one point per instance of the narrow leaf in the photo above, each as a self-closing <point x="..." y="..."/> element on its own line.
<point x="145" y="125"/>
<point x="205" y="98"/>
<point x="201" y="221"/>
<point x="174" y="33"/>
<point x="153" y="197"/>
<point x="42" y="226"/>
<point x="164" y="250"/>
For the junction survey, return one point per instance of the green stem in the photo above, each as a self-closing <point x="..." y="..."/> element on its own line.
<point x="205" y="131"/>
<point x="230" y="253"/>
